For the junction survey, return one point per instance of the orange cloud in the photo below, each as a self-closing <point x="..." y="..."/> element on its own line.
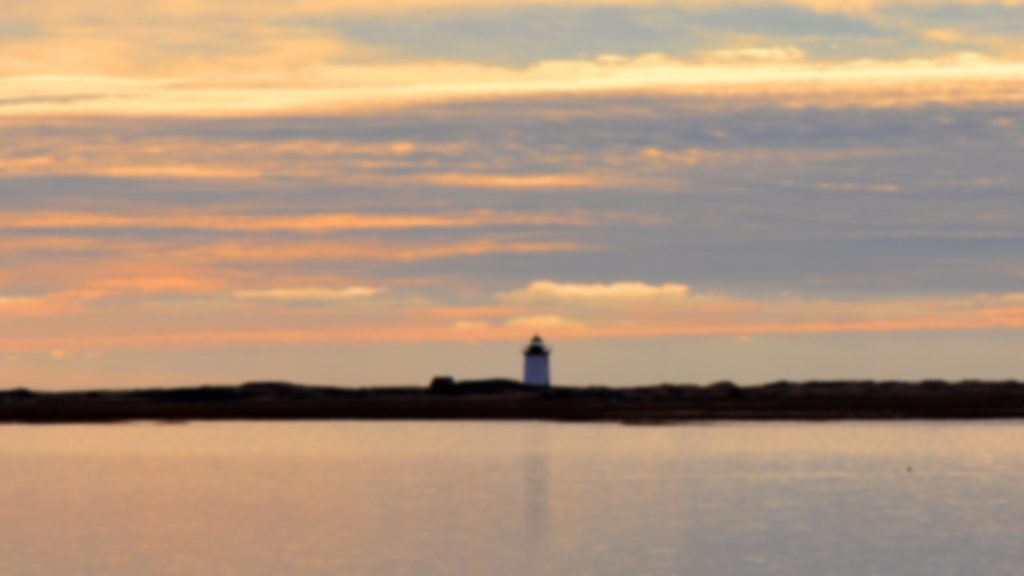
<point x="471" y="311"/>
<point x="944" y="35"/>
<point x="18" y="245"/>
<point x="396" y="333"/>
<point x="139" y="270"/>
<point x="187" y="171"/>
<point x="310" y="294"/>
<point x="195" y="158"/>
<point x="125" y="326"/>
<point x="56" y="304"/>
<point x="136" y="271"/>
<point x="113" y="11"/>
<point x="157" y="284"/>
<point x="280" y="252"/>
<point x="470" y="325"/>
<point x="547" y="290"/>
<point x="545" y="322"/>
<point x="514" y="181"/>
<point x="760" y="55"/>
<point x="956" y="78"/>
<point x="298" y="223"/>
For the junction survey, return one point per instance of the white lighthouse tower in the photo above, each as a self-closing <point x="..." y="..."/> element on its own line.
<point x="537" y="369"/>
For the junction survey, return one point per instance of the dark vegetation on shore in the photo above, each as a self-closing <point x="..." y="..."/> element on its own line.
<point x="510" y="400"/>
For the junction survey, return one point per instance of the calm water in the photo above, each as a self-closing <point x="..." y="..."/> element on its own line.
<point x="512" y="499"/>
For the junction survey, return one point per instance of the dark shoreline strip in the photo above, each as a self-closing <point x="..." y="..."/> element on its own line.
<point x="508" y="400"/>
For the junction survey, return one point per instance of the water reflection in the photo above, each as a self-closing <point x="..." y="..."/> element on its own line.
<point x="536" y="502"/>
<point x="510" y="499"/>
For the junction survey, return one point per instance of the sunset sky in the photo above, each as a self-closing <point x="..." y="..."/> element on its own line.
<point x="341" y="192"/>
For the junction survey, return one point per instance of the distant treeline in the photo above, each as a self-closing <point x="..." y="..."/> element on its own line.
<point x="507" y="399"/>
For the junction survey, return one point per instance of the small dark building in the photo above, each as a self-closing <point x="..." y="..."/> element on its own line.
<point x="442" y="383"/>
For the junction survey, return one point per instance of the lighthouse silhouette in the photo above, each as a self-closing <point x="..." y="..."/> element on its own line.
<point x="537" y="368"/>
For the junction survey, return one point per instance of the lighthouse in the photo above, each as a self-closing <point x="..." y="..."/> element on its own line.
<point x="537" y="369"/>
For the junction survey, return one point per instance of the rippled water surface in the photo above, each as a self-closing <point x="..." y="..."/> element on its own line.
<point x="382" y="498"/>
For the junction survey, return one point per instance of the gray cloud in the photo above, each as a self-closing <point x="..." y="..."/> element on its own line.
<point x="815" y="200"/>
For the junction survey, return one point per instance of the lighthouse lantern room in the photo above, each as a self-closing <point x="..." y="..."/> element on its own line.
<point x="537" y="369"/>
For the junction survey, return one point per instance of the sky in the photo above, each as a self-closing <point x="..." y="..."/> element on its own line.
<point x="353" y="193"/>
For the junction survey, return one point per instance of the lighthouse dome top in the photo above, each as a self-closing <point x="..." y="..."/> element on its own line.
<point x="536" y="346"/>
